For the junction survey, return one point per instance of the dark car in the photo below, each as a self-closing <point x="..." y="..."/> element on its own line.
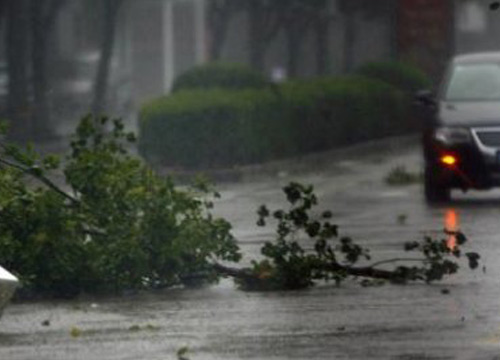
<point x="461" y="140"/>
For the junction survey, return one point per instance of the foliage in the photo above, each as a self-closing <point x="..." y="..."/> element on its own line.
<point x="217" y="128"/>
<point x="399" y="175"/>
<point x="403" y="76"/>
<point x="330" y="112"/>
<point x="213" y="128"/>
<point x="221" y="75"/>
<point x="115" y="226"/>
<point x="292" y="263"/>
<point x="182" y="353"/>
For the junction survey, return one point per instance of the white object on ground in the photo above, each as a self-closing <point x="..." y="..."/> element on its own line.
<point x="8" y="284"/>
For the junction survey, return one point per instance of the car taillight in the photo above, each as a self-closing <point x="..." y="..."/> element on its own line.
<point x="449" y="160"/>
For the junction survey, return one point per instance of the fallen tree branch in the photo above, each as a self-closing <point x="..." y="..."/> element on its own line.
<point x="237" y="273"/>
<point x="395" y="260"/>
<point x="369" y="271"/>
<point x="46" y="181"/>
<point x="250" y="277"/>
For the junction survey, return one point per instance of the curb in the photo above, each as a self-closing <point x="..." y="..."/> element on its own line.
<point x="302" y="164"/>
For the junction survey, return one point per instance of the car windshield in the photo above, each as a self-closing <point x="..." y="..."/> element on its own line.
<point x="474" y="82"/>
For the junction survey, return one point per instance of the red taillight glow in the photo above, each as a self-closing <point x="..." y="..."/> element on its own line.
<point x="451" y="224"/>
<point x="449" y="160"/>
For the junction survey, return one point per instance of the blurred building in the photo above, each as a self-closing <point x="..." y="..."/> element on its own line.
<point x="166" y="37"/>
<point x="425" y="33"/>
<point x="477" y="27"/>
<point x="156" y="40"/>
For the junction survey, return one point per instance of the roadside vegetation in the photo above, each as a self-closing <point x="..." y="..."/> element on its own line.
<point x="400" y="75"/>
<point x="401" y="176"/>
<point x="113" y="225"/>
<point x="308" y="248"/>
<point x="221" y="75"/>
<point x="223" y="115"/>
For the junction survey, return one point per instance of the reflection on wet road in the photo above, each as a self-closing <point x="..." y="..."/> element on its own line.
<point x="451" y="225"/>
<point x="457" y="319"/>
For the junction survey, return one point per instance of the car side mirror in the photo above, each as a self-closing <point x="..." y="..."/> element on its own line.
<point x="425" y="98"/>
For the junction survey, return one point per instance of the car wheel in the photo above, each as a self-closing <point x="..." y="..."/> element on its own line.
<point x="434" y="191"/>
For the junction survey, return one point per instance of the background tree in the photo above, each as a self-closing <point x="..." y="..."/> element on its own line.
<point x="3" y="4"/>
<point x="28" y="31"/>
<point x="296" y="18"/>
<point x="17" y="34"/>
<point x="300" y="17"/>
<point x="220" y="13"/>
<point x="350" y="9"/>
<point x="265" y="19"/>
<point x="43" y="18"/>
<point x="321" y="35"/>
<point x="3" y="8"/>
<point x="110" y="10"/>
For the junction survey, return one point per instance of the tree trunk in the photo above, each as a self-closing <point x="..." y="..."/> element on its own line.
<point x="265" y="20"/>
<point x="41" y="115"/>
<point x="43" y="17"/>
<point x="256" y="41"/>
<point x="4" y="49"/>
<point x="19" y="111"/>
<point x="2" y="11"/>
<point x="218" y="36"/>
<point x="322" y="50"/>
<point x="349" y="39"/>
<point x="294" y="40"/>
<point x="219" y="16"/>
<point x="111" y="8"/>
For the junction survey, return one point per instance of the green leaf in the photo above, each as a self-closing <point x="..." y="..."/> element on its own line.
<point x="412" y="245"/>
<point x="263" y="211"/>
<point x="51" y="162"/>
<point x="313" y="229"/>
<point x="182" y="352"/>
<point x="4" y="126"/>
<point x="327" y="214"/>
<point x="461" y="238"/>
<point x="473" y="259"/>
<point x="36" y="171"/>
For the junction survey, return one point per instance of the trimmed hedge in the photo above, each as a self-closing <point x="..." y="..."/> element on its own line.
<point x="221" y="75"/>
<point x="223" y="128"/>
<point x="332" y="112"/>
<point x="213" y="128"/>
<point x="401" y="75"/>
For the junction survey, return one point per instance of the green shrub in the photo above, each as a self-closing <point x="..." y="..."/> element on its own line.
<point x="213" y="128"/>
<point x="221" y="128"/>
<point x="220" y="75"/>
<point x="405" y="77"/>
<point x="331" y="112"/>
<point x="117" y="227"/>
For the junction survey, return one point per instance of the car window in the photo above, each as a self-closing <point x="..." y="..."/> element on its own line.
<point x="474" y="82"/>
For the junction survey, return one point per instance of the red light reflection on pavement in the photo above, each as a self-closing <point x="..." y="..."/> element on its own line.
<point x="451" y="224"/>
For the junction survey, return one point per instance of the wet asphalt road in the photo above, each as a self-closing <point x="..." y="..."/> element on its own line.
<point x="456" y="319"/>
